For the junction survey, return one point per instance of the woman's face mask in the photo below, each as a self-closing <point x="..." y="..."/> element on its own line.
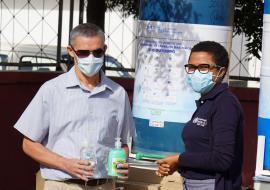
<point x="202" y="72"/>
<point x="202" y="83"/>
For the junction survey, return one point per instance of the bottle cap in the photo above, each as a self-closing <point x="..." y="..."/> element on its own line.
<point x="118" y="143"/>
<point x="85" y="143"/>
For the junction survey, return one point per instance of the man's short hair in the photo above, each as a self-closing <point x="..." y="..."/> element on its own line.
<point x="219" y="53"/>
<point x="86" y="30"/>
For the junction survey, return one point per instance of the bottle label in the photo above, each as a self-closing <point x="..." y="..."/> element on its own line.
<point x="115" y="162"/>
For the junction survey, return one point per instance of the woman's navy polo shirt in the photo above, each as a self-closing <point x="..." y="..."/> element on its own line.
<point x="214" y="140"/>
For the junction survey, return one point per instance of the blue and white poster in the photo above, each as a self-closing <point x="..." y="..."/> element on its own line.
<point x="167" y="30"/>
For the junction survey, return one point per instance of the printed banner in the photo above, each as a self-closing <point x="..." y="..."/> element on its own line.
<point x="162" y="101"/>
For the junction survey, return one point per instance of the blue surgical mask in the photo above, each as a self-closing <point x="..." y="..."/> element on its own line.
<point x="90" y="65"/>
<point x="201" y="83"/>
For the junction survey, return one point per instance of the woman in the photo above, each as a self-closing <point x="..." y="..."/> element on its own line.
<point x="214" y="135"/>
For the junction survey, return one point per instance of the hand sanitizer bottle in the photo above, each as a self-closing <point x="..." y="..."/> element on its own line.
<point x="87" y="152"/>
<point x="116" y="156"/>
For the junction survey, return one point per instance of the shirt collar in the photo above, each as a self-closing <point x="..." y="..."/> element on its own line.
<point x="104" y="81"/>
<point x="72" y="80"/>
<point x="213" y="93"/>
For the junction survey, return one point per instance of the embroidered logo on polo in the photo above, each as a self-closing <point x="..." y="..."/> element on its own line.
<point x="200" y="121"/>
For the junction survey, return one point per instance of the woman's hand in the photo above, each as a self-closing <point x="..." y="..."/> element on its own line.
<point x="167" y="166"/>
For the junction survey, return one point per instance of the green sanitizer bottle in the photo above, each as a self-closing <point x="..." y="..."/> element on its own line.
<point x="116" y="156"/>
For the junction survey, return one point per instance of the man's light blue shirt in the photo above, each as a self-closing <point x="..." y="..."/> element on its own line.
<point x="64" y="113"/>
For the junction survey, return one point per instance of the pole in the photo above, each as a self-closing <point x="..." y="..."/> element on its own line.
<point x="81" y="10"/>
<point x="71" y="12"/>
<point x="59" y="32"/>
<point x="264" y="100"/>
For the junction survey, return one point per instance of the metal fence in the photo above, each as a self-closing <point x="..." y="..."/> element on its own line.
<point x="40" y="29"/>
<point x="243" y="67"/>
<point x="120" y="38"/>
<point x="36" y="32"/>
<point x="28" y="22"/>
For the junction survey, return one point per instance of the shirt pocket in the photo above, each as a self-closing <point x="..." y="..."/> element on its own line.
<point x="108" y="131"/>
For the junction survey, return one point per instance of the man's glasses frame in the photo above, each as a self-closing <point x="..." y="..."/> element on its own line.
<point x="202" y="68"/>
<point x="85" y="53"/>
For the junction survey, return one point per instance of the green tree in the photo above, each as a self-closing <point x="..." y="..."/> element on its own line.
<point x="129" y="7"/>
<point x="248" y="18"/>
<point x="96" y="9"/>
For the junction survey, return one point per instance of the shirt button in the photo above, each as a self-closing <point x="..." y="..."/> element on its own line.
<point x="201" y="102"/>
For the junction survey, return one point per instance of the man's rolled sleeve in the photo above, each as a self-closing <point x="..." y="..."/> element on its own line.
<point x="34" y="121"/>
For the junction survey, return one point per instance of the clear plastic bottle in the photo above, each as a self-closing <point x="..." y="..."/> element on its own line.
<point x="87" y="152"/>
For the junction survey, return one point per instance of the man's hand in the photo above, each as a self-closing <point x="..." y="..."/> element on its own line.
<point x="122" y="169"/>
<point x="75" y="167"/>
<point x="78" y="168"/>
<point x="167" y="166"/>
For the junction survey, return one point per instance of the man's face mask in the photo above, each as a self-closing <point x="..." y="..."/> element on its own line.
<point x="90" y="62"/>
<point x="90" y="65"/>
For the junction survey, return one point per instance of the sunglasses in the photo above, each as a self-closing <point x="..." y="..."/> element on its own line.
<point x="85" y="53"/>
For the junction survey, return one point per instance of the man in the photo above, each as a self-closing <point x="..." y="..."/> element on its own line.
<point x="78" y="106"/>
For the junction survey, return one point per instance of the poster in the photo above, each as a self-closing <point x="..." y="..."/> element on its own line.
<point x="162" y="101"/>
